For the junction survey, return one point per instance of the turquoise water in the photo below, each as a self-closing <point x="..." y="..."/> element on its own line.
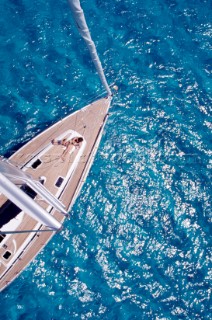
<point x="137" y="245"/>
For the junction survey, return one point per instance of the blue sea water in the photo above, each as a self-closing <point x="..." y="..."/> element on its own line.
<point x="138" y="244"/>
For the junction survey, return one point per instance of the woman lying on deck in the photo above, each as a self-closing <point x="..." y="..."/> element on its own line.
<point x="67" y="144"/>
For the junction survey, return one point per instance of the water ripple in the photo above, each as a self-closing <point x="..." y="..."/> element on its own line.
<point x="138" y="243"/>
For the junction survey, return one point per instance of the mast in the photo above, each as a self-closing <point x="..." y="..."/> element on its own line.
<point x="17" y="176"/>
<point x="84" y="32"/>
<point x="28" y="205"/>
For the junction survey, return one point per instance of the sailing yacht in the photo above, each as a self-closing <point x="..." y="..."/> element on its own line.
<point x="41" y="181"/>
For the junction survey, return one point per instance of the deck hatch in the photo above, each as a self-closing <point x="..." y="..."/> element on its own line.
<point x="36" y="164"/>
<point x="6" y="255"/>
<point x="59" y="182"/>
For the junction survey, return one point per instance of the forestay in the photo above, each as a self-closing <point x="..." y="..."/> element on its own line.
<point x="84" y="32"/>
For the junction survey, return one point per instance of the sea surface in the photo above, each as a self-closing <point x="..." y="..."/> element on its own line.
<point x="138" y="244"/>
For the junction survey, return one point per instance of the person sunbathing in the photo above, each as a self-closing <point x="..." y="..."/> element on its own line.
<point x="67" y="144"/>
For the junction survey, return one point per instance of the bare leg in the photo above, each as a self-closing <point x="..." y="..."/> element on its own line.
<point x="68" y="148"/>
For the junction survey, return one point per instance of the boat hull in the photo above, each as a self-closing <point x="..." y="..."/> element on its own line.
<point x="88" y="123"/>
